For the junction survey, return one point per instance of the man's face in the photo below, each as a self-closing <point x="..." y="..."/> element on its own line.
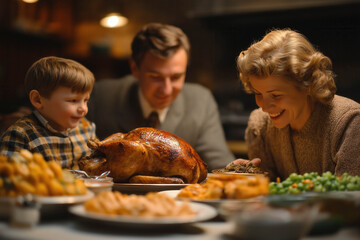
<point x="161" y="79"/>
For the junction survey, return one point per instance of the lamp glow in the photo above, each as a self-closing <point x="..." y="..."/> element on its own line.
<point x="29" y="1"/>
<point x="113" y="20"/>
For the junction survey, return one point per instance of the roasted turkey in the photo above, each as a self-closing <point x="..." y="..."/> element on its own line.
<point x="145" y="155"/>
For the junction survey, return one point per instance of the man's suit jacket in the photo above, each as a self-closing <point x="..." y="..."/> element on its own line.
<point x="114" y="107"/>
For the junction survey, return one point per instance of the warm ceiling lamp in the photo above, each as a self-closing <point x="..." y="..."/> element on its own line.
<point x="29" y="1"/>
<point x="113" y="20"/>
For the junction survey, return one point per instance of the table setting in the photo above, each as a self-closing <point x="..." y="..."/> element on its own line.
<point x="222" y="205"/>
<point x="293" y="216"/>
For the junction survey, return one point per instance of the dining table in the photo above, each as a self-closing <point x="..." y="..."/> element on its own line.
<point x="67" y="226"/>
<point x="61" y="218"/>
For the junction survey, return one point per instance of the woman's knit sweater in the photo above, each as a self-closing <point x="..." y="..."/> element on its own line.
<point x="329" y="141"/>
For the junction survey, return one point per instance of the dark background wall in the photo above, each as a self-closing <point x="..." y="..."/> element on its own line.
<point x="334" y="30"/>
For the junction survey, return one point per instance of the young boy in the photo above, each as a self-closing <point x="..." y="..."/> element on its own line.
<point x="59" y="90"/>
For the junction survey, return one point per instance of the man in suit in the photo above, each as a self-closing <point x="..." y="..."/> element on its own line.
<point x="158" y="63"/>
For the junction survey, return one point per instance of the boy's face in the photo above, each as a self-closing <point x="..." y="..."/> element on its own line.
<point x="64" y="108"/>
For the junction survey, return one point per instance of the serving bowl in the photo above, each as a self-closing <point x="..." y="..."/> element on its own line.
<point x="48" y="207"/>
<point x="256" y="221"/>
<point x="97" y="185"/>
<point x="337" y="209"/>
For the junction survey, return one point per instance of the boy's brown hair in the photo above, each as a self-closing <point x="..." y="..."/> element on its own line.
<point x="49" y="73"/>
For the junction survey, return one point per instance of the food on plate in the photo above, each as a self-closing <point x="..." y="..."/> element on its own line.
<point x="27" y="172"/>
<point x="155" y="180"/>
<point x="222" y="186"/>
<point x="240" y="168"/>
<point x="157" y="156"/>
<point x="149" y="205"/>
<point x="314" y="182"/>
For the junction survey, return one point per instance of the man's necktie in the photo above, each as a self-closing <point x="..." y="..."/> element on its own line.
<point x="153" y="120"/>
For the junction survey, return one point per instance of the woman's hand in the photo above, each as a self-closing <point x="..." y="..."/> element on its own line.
<point x="255" y="162"/>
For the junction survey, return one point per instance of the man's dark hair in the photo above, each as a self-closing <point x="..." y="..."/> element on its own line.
<point x="162" y="40"/>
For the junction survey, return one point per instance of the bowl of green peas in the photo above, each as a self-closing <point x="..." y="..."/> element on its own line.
<point x="337" y="195"/>
<point x="315" y="183"/>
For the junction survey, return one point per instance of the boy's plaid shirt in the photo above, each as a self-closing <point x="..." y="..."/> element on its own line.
<point x="35" y="134"/>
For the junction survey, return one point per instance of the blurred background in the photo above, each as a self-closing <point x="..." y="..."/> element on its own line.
<point x="218" y="31"/>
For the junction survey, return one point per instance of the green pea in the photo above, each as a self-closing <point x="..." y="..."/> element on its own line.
<point x="307" y="176"/>
<point x="293" y="176"/>
<point x="327" y="174"/>
<point x="300" y="186"/>
<point x="282" y="191"/>
<point x="314" y="174"/>
<point x="287" y="183"/>
<point x="353" y="180"/>
<point x="294" y="191"/>
<point x="306" y="187"/>
<point x="272" y="184"/>
<point x="334" y="186"/>
<point x="273" y="191"/>
<point x="318" y="188"/>
<point x="350" y="187"/>
<point x="327" y="185"/>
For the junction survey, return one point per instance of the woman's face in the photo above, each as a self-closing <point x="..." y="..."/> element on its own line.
<point x="284" y="103"/>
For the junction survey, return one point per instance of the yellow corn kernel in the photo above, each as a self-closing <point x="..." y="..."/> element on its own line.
<point x="39" y="159"/>
<point x="70" y="189"/>
<point x="26" y="154"/>
<point x="24" y="186"/>
<point x="49" y="173"/>
<point x="21" y="169"/>
<point x="34" y="178"/>
<point x="41" y="189"/>
<point x="56" y="168"/>
<point x="35" y="173"/>
<point x="55" y="188"/>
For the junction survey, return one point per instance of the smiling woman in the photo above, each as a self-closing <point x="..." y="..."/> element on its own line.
<point x="284" y="103"/>
<point x="301" y="125"/>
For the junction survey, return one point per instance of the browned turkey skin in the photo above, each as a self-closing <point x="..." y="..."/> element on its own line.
<point x="146" y="152"/>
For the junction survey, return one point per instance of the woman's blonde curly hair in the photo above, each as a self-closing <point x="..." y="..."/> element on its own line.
<point x="289" y="54"/>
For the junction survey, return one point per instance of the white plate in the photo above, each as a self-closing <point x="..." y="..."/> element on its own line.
<point x="49" y="205"/>
<point x="213" y="202"/>
<point x="138" y="188"/>
<point x="74" y="199"/>
<point x="203" y="213"/>
<point x="219" y="171"/>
